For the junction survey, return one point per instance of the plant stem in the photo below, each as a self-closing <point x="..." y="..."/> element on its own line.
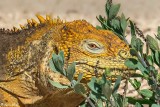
<point x="90" y="102"/>
<point x="142" y="60"/>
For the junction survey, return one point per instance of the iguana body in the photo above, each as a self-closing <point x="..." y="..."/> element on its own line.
<point x="25" y="54"/>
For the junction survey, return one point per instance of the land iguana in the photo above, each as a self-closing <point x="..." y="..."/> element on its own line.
<point x="25" y="52"/>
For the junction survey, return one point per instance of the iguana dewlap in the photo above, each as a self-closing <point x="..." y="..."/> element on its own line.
<point x="25" y="53"/>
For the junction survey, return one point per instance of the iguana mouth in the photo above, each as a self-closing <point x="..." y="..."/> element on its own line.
<point x="95" y="70"/>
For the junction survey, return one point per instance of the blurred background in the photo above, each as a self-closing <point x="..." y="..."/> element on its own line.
<point x="145" y="13"/>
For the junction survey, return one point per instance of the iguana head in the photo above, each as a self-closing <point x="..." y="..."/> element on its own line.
<point x="93" y="50"/>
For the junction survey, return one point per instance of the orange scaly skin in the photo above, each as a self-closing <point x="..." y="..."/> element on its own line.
<point x="25" y="54"/>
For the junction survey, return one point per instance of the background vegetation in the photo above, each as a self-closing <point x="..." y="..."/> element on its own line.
<point x="147" y="60"/>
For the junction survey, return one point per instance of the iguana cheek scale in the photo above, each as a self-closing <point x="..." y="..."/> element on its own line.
<point x="25" y="54"/>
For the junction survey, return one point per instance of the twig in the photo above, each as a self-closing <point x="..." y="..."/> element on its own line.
<point x="139" y="32"/>
<point x="90" y="102"/>
<point x="125" y="91"/>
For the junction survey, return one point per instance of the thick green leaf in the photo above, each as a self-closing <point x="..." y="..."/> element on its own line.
<point x="137" y="105"/>
<point x="131" y="63"/>
<point x="107" y="90"/>
<point x="73" y="83"/>
<point x="61" y="54"/>
<point x="136" y="84"/>
<point x="104" y="80"/>
<point x="57" y="85"/>
<point x="116" y="85"/>
<point x="101" y="18"/>
<point x="142" y="68"/>
<point x="58" y="63"/>
<point x="100" y="103"/>
<point x="107" y="72"/>
<point x="150" y="59"/>
<point x="119" y="100"/>
<point x="157" y="57"/>
<point x="155" y="105"/>
<point x="139" y="45"/>
<point x="133" y="100"/>
<point x="133" y="52"/>
<point x="102" y="22"/>
<point x="115" y="23"/>
<point x="96" y="96"/>
<point x="147" y="93"/>
<point x="54" y="56"/>
<point x="80" y="75"/>
<point x="133" y="31"/>
<point x="135" y="64"/>
<point x="133" y="42"/>
<point x="94" y="86"/>
<point x="79" y="88"/>
<point x="153" y="44"/>
<point x="51" y="65"/>
<point x="70" y="71"/>
<point x="108" y="6"/>
<point x="123" y="22"/>
<point x="158" y="34"/>
<point x="99" y="27"/>
<point x="114" y="9"/>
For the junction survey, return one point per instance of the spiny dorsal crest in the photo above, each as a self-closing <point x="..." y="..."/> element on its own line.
<point x="48" y="20"/>
<point x="32" y="23"/>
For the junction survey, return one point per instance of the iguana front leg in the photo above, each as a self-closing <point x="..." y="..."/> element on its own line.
<point x="14" y="94"/>
<point x="59" y="98"/>
<point x="19" y="93"/>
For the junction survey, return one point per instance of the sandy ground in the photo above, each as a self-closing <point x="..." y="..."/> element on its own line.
<point x="14" y="12"/>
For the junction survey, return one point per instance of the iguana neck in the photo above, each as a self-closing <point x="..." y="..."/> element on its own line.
<point x="24" y="49"/>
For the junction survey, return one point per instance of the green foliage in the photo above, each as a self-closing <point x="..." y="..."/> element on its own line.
<point x="144" y="60"/>
<point x="158" y="34"/>
<point x="57" y="65"/>
<point x="135" y="83"/>
<point x="153" y="43"/>
<point x="57" y="85"/>
<point x="103" y="91"/>
<point x="79" y="88"/>
<point x="146" y="93"/>
<point x="113" y="10"/>
<point x="117" y="24"/>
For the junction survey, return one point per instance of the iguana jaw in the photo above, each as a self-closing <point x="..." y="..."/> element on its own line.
<point x="95" y="70"/>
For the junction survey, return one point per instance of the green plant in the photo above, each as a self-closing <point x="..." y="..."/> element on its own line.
<point x="146" y="59"/>
<point x="99" y="87"/>
<point x="102" y="91"/>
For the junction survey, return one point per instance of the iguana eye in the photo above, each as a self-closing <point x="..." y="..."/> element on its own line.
<point x="92" y="46"/>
